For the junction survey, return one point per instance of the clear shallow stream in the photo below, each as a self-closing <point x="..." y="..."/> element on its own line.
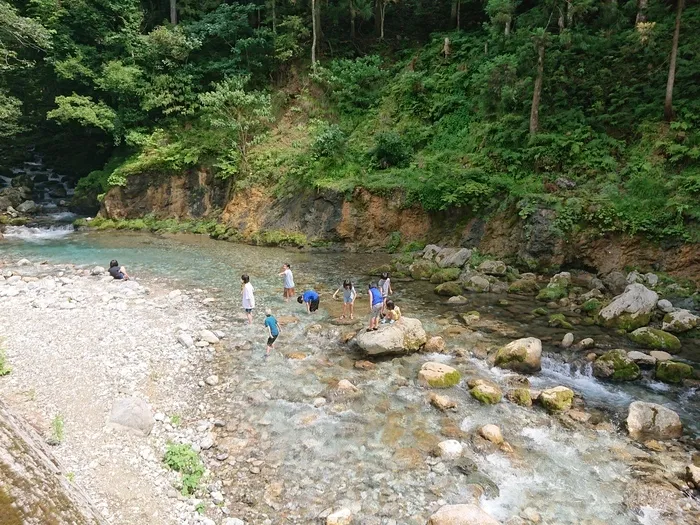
<point x="372" y="451"/>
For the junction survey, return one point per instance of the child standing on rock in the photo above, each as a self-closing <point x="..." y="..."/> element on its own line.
<point x="376" y="304"/>
<point x="385" y="287"/>
<point x="273" y="330"/>
<point x="349" y="295"/>
<point x="247" y="296"/>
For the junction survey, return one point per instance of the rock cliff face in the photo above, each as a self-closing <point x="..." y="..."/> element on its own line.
<point x="371" y="220"/>
<point x="33" y="490"/>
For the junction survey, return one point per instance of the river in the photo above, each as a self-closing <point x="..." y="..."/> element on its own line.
<point x="371" y="451"/>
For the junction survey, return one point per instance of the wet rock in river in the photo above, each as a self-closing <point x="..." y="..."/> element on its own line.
<point x="673" y="372"/>
<point x="568" y="340"/>
<point x="423" y="269"/>
<point x="449" y="289"/>
<point x="443" y="403"/>
<point x="497" y="268"/>
<point x="478" y="284"/>
<point x="522" y="355"/>
<point x="404" y="336"/>
<point x="491" y="433"/>
<point x="445" y="275"/>
<point x="520" y="396"/>
<point x="461" y="515"/>
<point x="457" y="299"/>
<point x="438" y="375"/>
<point x="556" y="399"/>
<point x="524" y="287"/>
<point x="652" y="421"/>
<point x="486" y="392"/>
<point x="680" y="321"/>
<point x="642" y="359"/>
<point x="656" y="339"/>
<point x="449" y="449"/>
<point x="616" y="365"/>
<point x="435" y="344"/>
<point x="559" y="321"/>
<point x="660" y="355"/>
<point x="630" y="310"/>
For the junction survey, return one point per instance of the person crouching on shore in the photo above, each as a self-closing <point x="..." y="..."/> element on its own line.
<point x="118" y="272"/>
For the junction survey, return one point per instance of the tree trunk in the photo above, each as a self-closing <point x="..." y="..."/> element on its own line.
<point x="668" y="104"/>
<point x="353" y="15"/>
<point x="569" y="13"/>
<point x="173" y="12"/>
<point x="641" y="11"/>
<point x="317" y="19"/>
<point x="561" y="21"/>
<point x="537" y="92"/>
<point x="274" y="16"/>
<point x="507" y="30"/>
<point x="453" y="13"/>
<point x="459" y="15"/>
<point x="314" y="39"/>
<point x="378" y="17"/>
<point x="382" y="12"/>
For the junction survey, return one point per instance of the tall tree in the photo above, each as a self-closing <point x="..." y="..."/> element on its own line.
<point x="173" y="12"/>
<point x="641" y="11"/>
<point x="668" y="104"/>
<point x="314" y="33"/>
<point x="540" y="39"/>
<point x="380" y="15"/>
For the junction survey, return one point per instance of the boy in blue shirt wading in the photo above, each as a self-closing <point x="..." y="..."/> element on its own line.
<point x="273" y="329"/>
<point x="310" y="299"/>
<point x="376" y="305"/>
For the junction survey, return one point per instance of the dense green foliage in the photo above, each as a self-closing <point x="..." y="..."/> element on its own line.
<point x="440" y="109"/>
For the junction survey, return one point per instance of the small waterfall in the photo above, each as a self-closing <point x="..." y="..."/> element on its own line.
<point x="34" y="234"/>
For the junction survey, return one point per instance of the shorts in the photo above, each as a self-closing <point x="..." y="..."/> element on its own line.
<point x="376" y="310"/>
<point x="313" y="305"/>
<point x="348" y="301"/>
<point x="271" y="340"/>
<point x="249" y="310"/>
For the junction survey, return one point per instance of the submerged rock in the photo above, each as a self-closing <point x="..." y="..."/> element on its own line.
<point x="457" y="299"/>
<point x="652" y="421"/>
<point x="673" y="372"/>
<point x="524" y="287"/>
<point x="556" y="399"/>
<point x="461" y="515"/>
<point x="523" y="355"/>
<point x="404" y="336"/>
<point x="552" y="293"/>
<point x="443" y="403"/>
<point x="438" y="375"/>
<point x="616" y="365"/>
<point x="491" y="433"/>
<point x="680" y="321"/>
<point x="435" y="344"/>
<point x="630" y="310"/>
<point x="656" y="339"/>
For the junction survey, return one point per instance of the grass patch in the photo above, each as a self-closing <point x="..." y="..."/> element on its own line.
<point x="4" y="367"/>
<point x="183" y="459"/>
<point x="278" y="238"/>
<point x="57" y="429"/>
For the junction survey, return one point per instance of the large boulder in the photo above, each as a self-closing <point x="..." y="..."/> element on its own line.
<point x="450" y="289"/>
<point x="673" y="372"/>
<point x="680" y="321"/>
<point x="616" y="365"/>
<point x="34" y="489"/>
<point x="444" y="275"/>
<point x="12" y="197"/>
<point x="522" y="355"/>
<point x="651" y="421"/>
<point x="630" y="310"/>
<point x="616" y="282"/>
<point x="456" y="259"/>
<point x="132" y="414"/>
<point x="430" y="251"/>
<point x="477" y="283"/>
<point x="497" y="268"/>
<point x="28" y="207"/>
<point x="524" y="287"/>
<point x="438" y="375"/>
<point x="655" y="339"/>
<point x="556" y="399"/>
<point x="405" y="336"/>
<point x="461" y="515"/>
<point x="422" y="269"/>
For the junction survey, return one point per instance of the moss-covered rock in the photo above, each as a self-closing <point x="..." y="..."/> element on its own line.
<point x="380" y="269"/>
<point x="520" y="396"/>
<point x="630" y="310"/>
<point x="444" y="275"/>
<point x="592" y="306"/>
<point x="556" y="399"/>
<point x="673" y="372"/>
<point x="541" y="311"/>
<point x="522" y="355"/>
<point x="423" y="269"/>
<point x="524" y="287"/>
<point x="655" y="339"/>
<point x="438" y="375"/>
<point x="450" y="289"/>
<point x="616" y="365"/>
<point x="487" y="393"/>
<point x="559" y="321"/>
<point x="471" y="317"/>
<point x="552" y="293"/>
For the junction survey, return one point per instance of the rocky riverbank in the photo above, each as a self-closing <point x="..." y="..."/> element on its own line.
<point x="111" y="373"/>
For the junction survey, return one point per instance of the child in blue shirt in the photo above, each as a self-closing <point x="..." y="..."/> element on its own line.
<point x="310" y="299"/>
<point x="273" y="329"/>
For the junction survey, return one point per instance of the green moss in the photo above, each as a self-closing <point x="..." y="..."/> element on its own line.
<point x="446" y="381"/>
<point x="444" y="275"/>
<point x="524" y="287"/>
<point x="485" y="394"/>
<point x="423" y="269"/>
<point x="654" y="338"/>
<point x="552" y="293"/>
<point x="521" y="396"/>
<point x="624" y="369"/>
<point x="151" y="224"/>
<point x="592" y="306"/>
<point x="588" y="321"/>
<point x="278" y="238"/>
<point x="559" y="321"/>
<point x="556" y="399"/>
<point x="673" y="372"/>
<point x="627" y="322"/>
<point x="449" y="289"/>
<point x="541" y="311"/>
